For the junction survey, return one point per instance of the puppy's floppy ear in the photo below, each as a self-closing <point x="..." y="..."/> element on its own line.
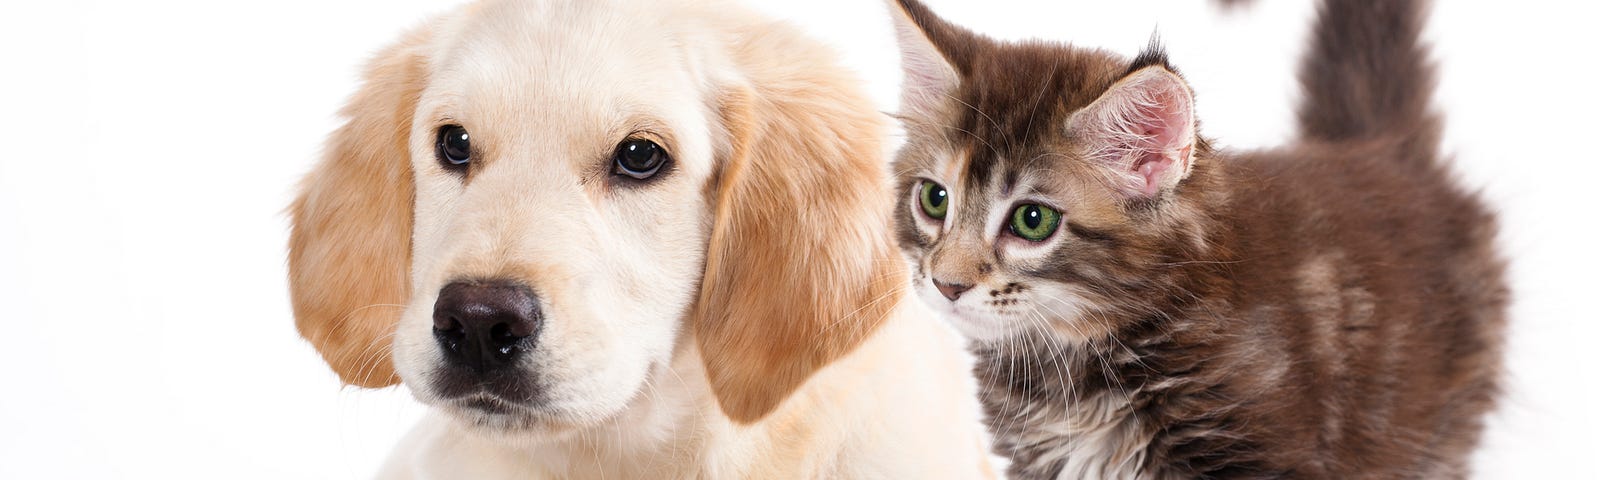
<point x="800" y="267"/>
<point x="350" y="244"/>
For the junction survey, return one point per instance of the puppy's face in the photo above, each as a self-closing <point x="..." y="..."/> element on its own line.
<point x="535" y="204"/>
<point x="560" y="222"/>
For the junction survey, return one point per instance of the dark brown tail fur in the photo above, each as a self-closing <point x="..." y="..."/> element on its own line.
<point x="1366" y="75"/>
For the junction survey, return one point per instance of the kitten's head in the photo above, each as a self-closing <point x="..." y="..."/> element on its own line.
<point x="1038" y="188"/>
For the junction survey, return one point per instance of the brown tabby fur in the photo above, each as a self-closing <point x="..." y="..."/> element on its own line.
<point x="1333" y="308"/>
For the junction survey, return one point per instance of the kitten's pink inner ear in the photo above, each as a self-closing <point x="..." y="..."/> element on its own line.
<point x="1143" y="130"/>
<point x="929" y="77"/>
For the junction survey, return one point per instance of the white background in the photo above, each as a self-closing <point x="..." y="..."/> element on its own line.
<point x="147" y="150"/>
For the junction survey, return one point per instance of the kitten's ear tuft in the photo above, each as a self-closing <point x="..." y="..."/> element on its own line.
<point x="1142" y="129"/>
<point x="925" y="57"/>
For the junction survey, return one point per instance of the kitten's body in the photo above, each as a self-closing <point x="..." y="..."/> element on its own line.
<point x="1330" y="309"/>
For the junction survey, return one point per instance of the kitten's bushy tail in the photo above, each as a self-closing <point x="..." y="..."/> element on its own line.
<point x="1367" y="75"/>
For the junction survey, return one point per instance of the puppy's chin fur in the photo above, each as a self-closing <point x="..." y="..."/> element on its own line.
<point x="509" y="421"/>
<point x="496" y="417"/>
<point x="486" y="414"/>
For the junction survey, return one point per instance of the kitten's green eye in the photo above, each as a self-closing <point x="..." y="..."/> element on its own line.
<point x="934" y="199"/>
<point x="1034" y="223"/>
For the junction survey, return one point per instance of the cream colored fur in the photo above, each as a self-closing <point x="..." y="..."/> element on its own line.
<point x="889" y="410"/>
<point x="743" y="315"/>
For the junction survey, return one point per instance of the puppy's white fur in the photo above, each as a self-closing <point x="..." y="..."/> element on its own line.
<point x="650" y="361"/>
<point x="884" y="411"/>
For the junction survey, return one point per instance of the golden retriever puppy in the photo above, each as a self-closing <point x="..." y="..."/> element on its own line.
<point x="626" y="239"/>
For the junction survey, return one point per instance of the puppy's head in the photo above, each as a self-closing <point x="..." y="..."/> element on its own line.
<point x="535" y="205"/>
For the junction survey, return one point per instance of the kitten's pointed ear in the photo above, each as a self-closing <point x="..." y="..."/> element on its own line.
<point x="1142" y="130"/>
<point x="926" y="46"/>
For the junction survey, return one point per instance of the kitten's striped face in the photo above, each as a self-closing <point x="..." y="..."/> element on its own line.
<point x="999" y="249"/>
<point x="1031" y="186"/>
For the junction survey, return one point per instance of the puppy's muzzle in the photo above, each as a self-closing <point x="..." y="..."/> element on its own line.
<point x="485" y="326"/>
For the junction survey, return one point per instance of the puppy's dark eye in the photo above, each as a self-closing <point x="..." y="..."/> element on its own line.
<point x="454" y="147"/>
<point x="640" y="159"/>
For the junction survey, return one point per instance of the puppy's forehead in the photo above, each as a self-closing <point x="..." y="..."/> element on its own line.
<point x="570" y="76"/>
<point x="559" y="48"/>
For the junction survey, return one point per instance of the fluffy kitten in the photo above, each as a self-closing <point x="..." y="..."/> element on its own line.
<point x="1144" y="306"/>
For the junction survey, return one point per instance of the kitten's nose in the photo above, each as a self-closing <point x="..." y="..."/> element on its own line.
<point x="951" y="291"/>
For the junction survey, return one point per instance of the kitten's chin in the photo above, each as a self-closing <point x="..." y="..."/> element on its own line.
<point x="978" y="332"/>
<point x="980" y="329"/>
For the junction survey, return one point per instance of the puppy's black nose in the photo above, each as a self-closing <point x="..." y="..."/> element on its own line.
<point x="485" y="325"/>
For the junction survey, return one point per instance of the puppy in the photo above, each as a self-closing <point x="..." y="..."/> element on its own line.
<point x="626" y="239"/>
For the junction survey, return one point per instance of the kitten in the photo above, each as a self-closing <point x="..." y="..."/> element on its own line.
<point x="1144" y="306"/>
